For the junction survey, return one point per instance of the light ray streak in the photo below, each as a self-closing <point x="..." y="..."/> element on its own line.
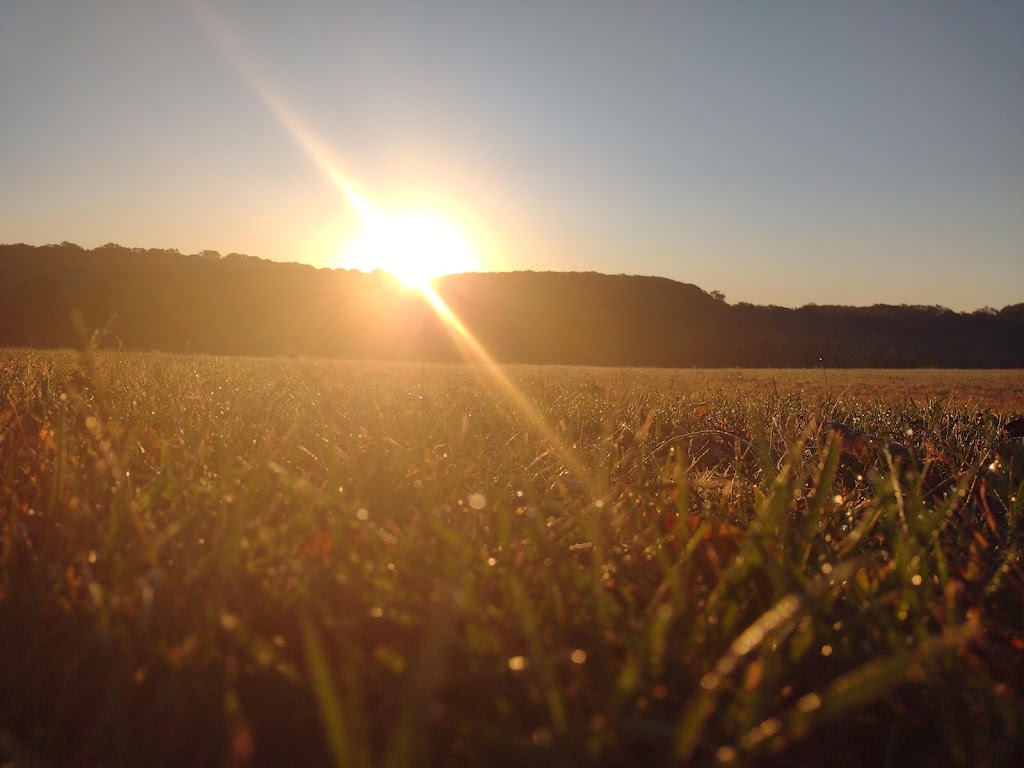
<point x="317" y="151"/>
<point x="478" y="355"/>
<point x="229" y="46"/>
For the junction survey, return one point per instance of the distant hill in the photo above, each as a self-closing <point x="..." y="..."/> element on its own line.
<point x="236" y="304"/>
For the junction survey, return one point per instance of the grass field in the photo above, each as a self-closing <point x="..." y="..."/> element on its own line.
<point x="230" y="562"/>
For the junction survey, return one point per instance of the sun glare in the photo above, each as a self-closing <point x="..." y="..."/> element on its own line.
<point x="414" y="247"/>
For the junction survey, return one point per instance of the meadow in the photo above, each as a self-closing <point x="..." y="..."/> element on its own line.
<point x="242" y="561"/>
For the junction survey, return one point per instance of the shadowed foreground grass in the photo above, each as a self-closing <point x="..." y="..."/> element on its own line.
<point x="212" y="561"/>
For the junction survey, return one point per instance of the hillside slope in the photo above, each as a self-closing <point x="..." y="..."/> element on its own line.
<point x="160" y="299"/>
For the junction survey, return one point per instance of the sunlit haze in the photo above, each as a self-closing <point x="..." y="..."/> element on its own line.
<point x="781" y="153"/>
<point x="414" y="247"/>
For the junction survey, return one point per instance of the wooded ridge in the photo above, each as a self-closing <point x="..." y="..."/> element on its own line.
<point x="236" y="304"/>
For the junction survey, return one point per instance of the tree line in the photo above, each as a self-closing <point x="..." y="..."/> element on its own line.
<point x="157" y="299"/>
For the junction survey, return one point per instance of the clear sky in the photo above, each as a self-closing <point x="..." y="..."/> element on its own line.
<point x="780" y="152"/>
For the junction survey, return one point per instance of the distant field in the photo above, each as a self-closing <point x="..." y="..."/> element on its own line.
<point x="999" y="390"/>
<point x="239" y="561"/>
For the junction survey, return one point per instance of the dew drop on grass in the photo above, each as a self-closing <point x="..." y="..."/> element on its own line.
<point x="362" y="514"/>
<point x="477" y="500"/>
<point x="492" y="562"/>
<point x="826" y="650"/>
<point x="578" y="656"/>
<point x="518" y="663"/>
<point x="809" y="703"/>
<point x="768" y="728"/>
<point x="916" y="580"/>
<point x="725" y="754"/>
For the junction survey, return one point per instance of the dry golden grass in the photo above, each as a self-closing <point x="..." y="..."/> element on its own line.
<point x="241" y="561"/>
<point x="1001" y="391"/>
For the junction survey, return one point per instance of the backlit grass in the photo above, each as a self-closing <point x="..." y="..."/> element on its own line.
<point x="214" y="561"/>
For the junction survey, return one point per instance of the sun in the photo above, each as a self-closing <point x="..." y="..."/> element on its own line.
<point x="415" y="247"/>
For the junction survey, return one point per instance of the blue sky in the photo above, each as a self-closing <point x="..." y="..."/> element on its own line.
<point x="780" y="152"/>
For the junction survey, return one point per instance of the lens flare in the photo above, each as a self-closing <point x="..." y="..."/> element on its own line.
<point x="473" y="351"/>
<point x="399" y="243"/>
<point x="414" y="247"/>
